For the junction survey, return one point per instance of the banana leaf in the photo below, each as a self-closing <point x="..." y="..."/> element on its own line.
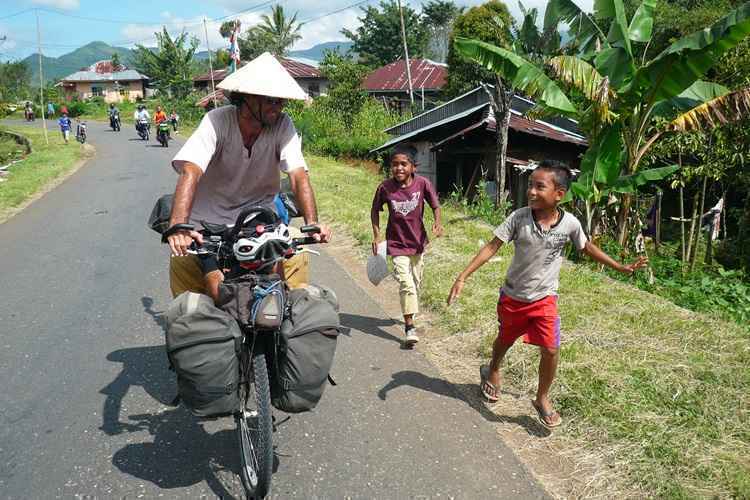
<point x="616" y="64"/>
<point x="520" y="73"/>
<point x="586" y="31"/>
<point x="730" y="107"/>
<point x="695" y="95"/>
<point x="618" y="35"/>
<point x="688" y="59"/>
<point x="642" y="25"/>
<point x="631" y="183"/>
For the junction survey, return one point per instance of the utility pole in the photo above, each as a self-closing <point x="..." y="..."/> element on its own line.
<point x="210" y="64"/>
<point x="406" y="53"/>
<point x="41" y="77"/>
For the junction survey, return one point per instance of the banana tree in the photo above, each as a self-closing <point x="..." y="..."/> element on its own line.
<point x="625" y="97"/>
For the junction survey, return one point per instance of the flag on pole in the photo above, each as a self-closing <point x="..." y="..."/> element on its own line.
<point x="234" y="48"/>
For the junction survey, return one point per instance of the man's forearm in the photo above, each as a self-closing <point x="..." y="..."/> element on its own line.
<point x="184" y="193"/>
<point x="303" y="192"/>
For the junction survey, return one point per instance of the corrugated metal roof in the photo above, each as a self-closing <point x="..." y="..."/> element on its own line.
<point x="92" y="76"/>
<point x="296" y="69"/>
<point x="425" y="74"/>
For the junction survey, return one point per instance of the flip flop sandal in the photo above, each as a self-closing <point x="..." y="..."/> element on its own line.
<point x="544" y="415"/>
<point x="489" y="391"/>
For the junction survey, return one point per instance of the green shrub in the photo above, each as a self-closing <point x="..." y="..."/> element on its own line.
<point x="707" y="289"/>
<point x="482" y="206"/>
<point x="324" y="130"/>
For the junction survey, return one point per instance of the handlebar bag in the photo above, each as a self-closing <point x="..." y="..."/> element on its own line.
<point x="307" y="344"/>
<point x="160" y="214"/>
<point x="203" y="346"/>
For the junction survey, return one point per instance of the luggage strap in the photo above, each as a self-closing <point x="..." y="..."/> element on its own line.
<point x="288" y="386"/>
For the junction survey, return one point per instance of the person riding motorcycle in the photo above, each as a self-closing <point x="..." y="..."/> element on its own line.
<point x="234" y="161"/>
<point x="141" y="117"/>
<point x="112" y="112"/>
<point x="160" y="116"/>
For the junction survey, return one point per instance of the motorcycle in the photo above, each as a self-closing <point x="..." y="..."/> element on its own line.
<point x="81" y="133"/>
<point x="143" y="129"/>
<point x="162" y="134"/>
<point x="29" y="114"/>
<point x="114" y="121"/>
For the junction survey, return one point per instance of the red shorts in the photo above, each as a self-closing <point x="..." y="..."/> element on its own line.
<point x="538" y="322"/>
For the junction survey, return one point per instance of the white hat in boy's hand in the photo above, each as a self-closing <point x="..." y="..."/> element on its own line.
<point x="377" y="266"/>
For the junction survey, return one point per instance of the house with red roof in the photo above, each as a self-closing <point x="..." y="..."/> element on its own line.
<point x="390" y="83"/>
<point x="102" y="79"/>
<point x="306" y="75"/>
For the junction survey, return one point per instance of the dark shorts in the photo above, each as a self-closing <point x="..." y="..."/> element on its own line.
<point x="538" y="322"/>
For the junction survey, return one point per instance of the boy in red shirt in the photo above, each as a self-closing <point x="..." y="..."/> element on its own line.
<point x="405" y="193"/>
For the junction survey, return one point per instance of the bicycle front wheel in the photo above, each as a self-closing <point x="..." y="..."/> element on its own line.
<point x="254" y="429"/>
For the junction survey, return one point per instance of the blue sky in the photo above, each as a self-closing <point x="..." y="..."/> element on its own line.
<point x="125" y="22"/>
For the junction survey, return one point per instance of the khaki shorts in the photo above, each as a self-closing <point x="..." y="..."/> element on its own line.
<point x="185" y="273"/>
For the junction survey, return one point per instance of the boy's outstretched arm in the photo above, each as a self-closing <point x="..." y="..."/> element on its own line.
<point x="478" y="261"/>
<point x="598" y="255"/>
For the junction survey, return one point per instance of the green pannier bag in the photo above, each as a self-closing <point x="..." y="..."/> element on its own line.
<point x="307" y="344"/>
<point x="203" y="346"/>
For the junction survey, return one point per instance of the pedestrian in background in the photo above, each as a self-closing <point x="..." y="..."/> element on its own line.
<point x="406" y="237"/>
<point x="50" y="110"/>
<point x="65" y="125"/>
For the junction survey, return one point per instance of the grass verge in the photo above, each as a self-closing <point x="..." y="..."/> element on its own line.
<point x="38" y="170"/>
<point x="665" y="391"/>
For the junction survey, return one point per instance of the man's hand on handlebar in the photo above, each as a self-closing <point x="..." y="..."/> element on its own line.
<point x="324" y="235"/>
<point x="180" y="240"/>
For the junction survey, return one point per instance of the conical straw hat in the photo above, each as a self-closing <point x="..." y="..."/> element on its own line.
<point x="264" y="75"/>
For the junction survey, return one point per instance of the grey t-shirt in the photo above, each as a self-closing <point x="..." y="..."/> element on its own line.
<point x="535" y="270"/>
<point x="233" y="179"/>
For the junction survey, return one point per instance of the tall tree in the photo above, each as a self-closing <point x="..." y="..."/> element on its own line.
<point x="116" y="63"/>
<point x="15" y="78"/>
<point x="279" y="31"/>
<point x="438" y="17"/>
<point x="378" y="39"/>
<point x="635" y="100"/>
<point x="490" y="22"/>
<point x="169" y="66"/>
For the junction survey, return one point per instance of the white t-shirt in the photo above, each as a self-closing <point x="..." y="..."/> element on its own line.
<point x="233" y="179"/>
<point x="534" y="271"/>
<point x="138" y="115"/>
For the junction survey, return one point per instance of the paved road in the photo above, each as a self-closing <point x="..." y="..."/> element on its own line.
<point x="85" y="387"/>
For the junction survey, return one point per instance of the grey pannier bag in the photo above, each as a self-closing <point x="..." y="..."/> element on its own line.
<point x="203" y="346"/>
<point x="307" y="344"/>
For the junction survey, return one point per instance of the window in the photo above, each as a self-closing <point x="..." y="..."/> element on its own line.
<point x="97" y="91"/>
<point x="125" y="92"/>
<point x="313" y="89"/>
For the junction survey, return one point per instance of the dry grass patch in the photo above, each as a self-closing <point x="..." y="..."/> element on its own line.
<point x="655" y="398"/>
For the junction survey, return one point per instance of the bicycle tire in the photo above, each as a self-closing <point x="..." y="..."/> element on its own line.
<point x="255" y="434"/>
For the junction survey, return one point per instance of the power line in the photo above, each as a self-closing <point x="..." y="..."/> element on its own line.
<point x="16" y="14"/>
<point x="356" y="4"/>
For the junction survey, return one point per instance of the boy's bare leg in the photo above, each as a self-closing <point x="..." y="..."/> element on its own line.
<point x="498" y="354"/>
<point x="547" y="369"/>
<point x="409" y="320"/>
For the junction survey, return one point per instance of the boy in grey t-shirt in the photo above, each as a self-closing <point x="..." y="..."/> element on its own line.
<point x="528" y="300"/>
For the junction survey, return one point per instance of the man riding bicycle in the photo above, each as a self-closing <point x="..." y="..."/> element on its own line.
<point x="233" y="161"/>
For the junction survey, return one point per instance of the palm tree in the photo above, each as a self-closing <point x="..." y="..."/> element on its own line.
<point x="280" y="33"/>
<point x="632" y="102"/>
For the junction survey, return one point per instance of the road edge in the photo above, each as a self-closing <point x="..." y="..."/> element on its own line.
<point x="89" y="152"/>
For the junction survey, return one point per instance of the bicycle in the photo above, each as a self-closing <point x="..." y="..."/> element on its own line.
<point x="249" y="250"/>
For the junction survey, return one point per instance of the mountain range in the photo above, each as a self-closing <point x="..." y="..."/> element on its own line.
<point x="58" y="67"/>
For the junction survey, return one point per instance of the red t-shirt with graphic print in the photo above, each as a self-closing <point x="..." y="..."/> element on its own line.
<point x="405" y="233"/>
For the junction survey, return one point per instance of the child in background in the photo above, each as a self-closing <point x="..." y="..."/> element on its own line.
<point x="405" y="193"/>
<point x="65" y="125"/>
<point x="528" y="300"/>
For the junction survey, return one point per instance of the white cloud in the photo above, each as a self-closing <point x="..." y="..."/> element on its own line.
<point x="59" y="4"/>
